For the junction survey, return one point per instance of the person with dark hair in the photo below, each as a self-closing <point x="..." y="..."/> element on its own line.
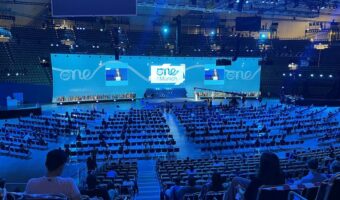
<point x="52" y="183"/>
<point x="313" y="175"/>
<point x="91" y="163"/>
<point x="215" y="185"/>
<point x="172" y="192"/>
<point x="269" y="173"/>
<point x="93" y="190"/>
<point x="190" y="188"/>
<point x="130" y="185"/>
<point x="335" y="167"/>
<point x="191" y="171"/>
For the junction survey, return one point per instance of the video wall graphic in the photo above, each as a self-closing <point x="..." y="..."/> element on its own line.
<point x="82" y="75"/>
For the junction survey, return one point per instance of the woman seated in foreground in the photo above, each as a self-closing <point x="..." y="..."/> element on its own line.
<point x="269" y="173"/>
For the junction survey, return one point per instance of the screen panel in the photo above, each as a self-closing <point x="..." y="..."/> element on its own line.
<point x="248" y="24"/>
<point x="82" y="75"/>
<point x="86" y="8"/>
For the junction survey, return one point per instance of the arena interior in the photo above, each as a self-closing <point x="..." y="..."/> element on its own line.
<point x="170" y="99"/>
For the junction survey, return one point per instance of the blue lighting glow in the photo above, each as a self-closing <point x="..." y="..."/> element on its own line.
<point x="165" y="30"/>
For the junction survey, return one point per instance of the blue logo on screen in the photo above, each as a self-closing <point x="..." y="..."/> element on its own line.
<point x="167" y="72"/>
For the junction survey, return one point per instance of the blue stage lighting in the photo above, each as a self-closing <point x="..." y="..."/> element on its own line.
<point x="165" y="30"/>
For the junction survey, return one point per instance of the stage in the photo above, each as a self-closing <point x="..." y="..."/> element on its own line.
<point x="159" y="101"/>
<point x="19" y="111"/>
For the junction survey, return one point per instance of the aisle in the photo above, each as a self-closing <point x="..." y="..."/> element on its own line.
<point x="187" y="148"/>
<point x="148" y="183"/>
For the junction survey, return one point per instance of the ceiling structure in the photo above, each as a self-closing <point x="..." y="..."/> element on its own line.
<point x="33" y="10"/>
<point x="297" y="8"/>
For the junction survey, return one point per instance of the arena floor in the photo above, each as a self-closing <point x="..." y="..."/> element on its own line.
<point x="18" y="171"/>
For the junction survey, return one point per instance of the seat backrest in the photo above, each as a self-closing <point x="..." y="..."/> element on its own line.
<point x="214" y="196"/>
<point x="194" y="196"/>
<point x="322" y="191"/>
<point x="265" y="193"/>
<point x="43" y="197"/>
<point x="333" y="191"/>
<point x="311" y="193"/>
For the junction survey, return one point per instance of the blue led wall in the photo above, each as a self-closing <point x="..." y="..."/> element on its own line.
<point x="82" y="75"/>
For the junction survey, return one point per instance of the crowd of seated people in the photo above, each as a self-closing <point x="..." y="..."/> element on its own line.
<point x="269" y="179"/>
<point x="133" y="133"/>
<point x="113" y="180"/>
<point x="277" y="127"/>
<point x="17" y="138"/>
<point x="93" y="98"/>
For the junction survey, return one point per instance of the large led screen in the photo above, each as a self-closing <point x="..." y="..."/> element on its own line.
<point x="83" y="75"/>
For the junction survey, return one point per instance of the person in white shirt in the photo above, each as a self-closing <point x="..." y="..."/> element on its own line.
<point x="118" y="76"/>
<point x="52" y="183"/>
<point x="215" y="76"/>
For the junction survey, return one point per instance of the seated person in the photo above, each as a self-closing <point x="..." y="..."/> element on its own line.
<point x="111" y="174"/>
<point x="171" y="193"/>
<point x="191" y="171"/>
<point x="93" y="190"/>
<point x="189" y="189"/>
<point x="335" y="167"/>
<point x="113" y="191"/>
<point x="313" y="175"/>
<point x="269" y="173"/>
<point x="129" y="184"/>
<point x="52" y="183"/>
<point x="215" y="185"/>
<point x="91" y="163"/>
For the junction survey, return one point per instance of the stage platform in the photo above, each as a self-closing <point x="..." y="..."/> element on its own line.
<point x="179" y="101"/>
<point x="19" y="111"/>
<point x="92" y="101"/>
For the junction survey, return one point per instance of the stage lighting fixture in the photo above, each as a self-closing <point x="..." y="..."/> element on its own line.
<point x="212" y="33"/>
<point x="263" y="36"/>
<point x="290" y="74"/>
<point x="312" y="75"/>
<point x="283" y="74"/>
<point x="165" y="30"/>
<point x="293" y="66"/>
<point x="330" y="76"/>
<point x="300" y="75"/>
<point x="321" y="75"/>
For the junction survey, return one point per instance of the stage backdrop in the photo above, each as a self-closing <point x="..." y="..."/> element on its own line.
<point x="81" y="75"/>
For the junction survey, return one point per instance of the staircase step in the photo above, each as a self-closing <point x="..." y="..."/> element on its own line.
<point x="148" y="183"/>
